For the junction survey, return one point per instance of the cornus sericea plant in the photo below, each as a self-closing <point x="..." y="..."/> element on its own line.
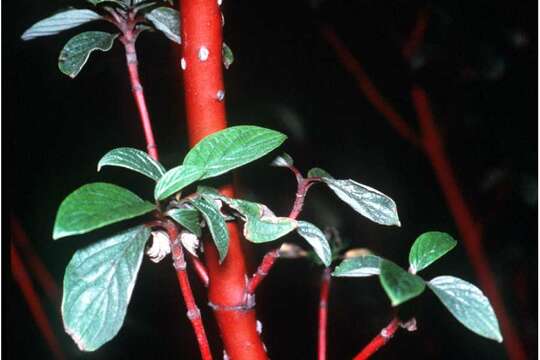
<point x="204" y="221"/>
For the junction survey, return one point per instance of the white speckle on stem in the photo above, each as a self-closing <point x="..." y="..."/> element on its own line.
<point x="259" y="327"/>
<point x="183" y="64"/>
<point x="222" y="20"/>
<point x="225" y="355"/>
<point x="219" y="2"/>
<point x="220" y="95"/>
<point x="203" y="53"/>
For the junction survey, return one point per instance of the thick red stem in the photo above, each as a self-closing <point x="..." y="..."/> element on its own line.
<point x="138" y="93"/>
<point x="23" y="280"/>
<point x="323" y="313"/>
<point x="37" y="267"/>
<point x="203" y="84"/>
<point x="470" y="231"/>
<point x="379" y="341"/>
<point x="193" y="312"/>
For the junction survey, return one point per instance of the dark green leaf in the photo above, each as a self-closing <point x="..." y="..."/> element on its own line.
<point x="77" y="50"/>
<point x="95" y="205"/>
<point x="367" y="201"/>
<point x="188" y="218"/>
<point x="315" y="237"/>
<point x="398" y="284"/>
<point x="60" y="22"/>
<point x="360" y="266"/>
<point x="176" y="179"/>
<point x="98" y="284"/>
<point x="227" y="56"/>
<point x="283" y="160"/>
<point x="166" y="20"/>
<point x="468" y="305"/>
<point x="261" y="224"/>
<point x="232" y="148"/>
<point x="135" y="160"/>
<point x="216" y="224"/>
<point x="429" y="247"/>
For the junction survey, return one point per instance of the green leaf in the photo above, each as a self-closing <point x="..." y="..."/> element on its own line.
<point x="135" y="160"/>
<point x="188" y="218"/>
<point x="360" y="266"/>
<point x="261" y="224"/>
<point x="227" y="56"/>
<point x="93" y="206"/>
<point x="232" y="148"/>
<point x="398" y="284"/>
<point x="166" y="20"/>
<point x="216" y="224"/>
<point x="429" y="247"/>
<point x="315" y="237"/>
<point x="367" y="201"/>
<point x="468" y="305"/>
<point x="59" y="22"/>
<point x="77" y="50"/>
<point x="283" y="160"/>
<point x="123" y="3"/>
<point x="176" y="179"/>
<point x="98" y="284"/>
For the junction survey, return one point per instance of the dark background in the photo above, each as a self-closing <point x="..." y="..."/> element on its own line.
<point x="479" y="65"/>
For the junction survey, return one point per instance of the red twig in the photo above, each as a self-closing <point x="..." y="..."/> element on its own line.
<point x="37" y="267"/>
<point x="469" y="230"/>
<point x="416" y="38"/>
<point x="128" y="39"/>
<point x="270" y="257"/>
<point x="204" y="89"/>
<point x="367" y="87"/>
<point x="200" y="269"/>
<point x="193" y="312"/>
<point x="379" y="341"/>
<point x="22" y="279"/>
<point x="323" y="312"/>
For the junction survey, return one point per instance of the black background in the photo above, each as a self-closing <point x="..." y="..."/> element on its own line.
<point x="480" y="70"/>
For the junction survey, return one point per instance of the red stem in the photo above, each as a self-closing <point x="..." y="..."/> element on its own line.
<point x="270" y="257"/>
<point x="470" y="231"/>
<point x="128" y="39"/>
<point x="193" y="312"/>
<point x="323" y="312"/>
<point x="379" y="341"/>
<point x="31" y="297"/>
<point x="37" y="267"/>
<point x="416" y="38"/>
<point x="203" y="79"/>
<point x="200" y="269"/>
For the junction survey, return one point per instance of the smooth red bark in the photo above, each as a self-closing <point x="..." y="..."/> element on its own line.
<point x="379" y="341"/>
<point x="203" y="79"/>
<point x="22" y="278"/>
<point x="323" y="313"/>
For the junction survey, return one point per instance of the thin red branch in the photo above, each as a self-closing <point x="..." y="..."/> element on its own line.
<point x="203" y="84"/>
<point x="128" y="39"/>
<point x="379" y="341"/>
<point x="469" y="229"/>
<point x="24" y="282"/>
<point x="416" y="38"/>
<point x="200" y="270"/>
<point x="323" y="313"/>
<point x="193" y="312"/>
<point x="367" y="87"/>
<point x="270" y="257"/>
<point x="36" y="265"/>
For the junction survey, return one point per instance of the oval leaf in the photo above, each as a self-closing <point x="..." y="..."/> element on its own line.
<point x="428" y="248"/>
<point x="360" y="266"/>
<point x="188" y="218"/>
<point x="315" y="237"/>
<point x="98" y="283"/>
<point x="232" y="148"/>
<point x="176" y="179"/>
<point x="166" y="20"/>
<point x="468" y="305"/>
<point x="399" y="285"/>
<point x="77" y="50"/>
<point x="95" y="205"/>
<point x="367" y="201"/>
<point x="283" y="160"/>
<point x="60" y="22"/>
<point x="133" y="159"/>
<point x="216" y="224"/>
